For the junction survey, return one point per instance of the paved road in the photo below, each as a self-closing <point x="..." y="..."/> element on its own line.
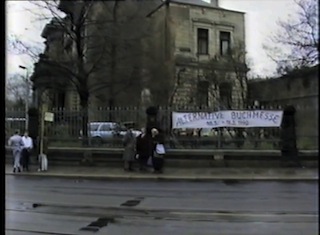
<point x="66" y="206"/>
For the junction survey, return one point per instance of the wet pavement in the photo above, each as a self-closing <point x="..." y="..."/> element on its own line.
<point x="42" y="205"/>
<point x="184" y="174"/>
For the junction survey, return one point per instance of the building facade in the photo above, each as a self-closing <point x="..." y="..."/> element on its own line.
<point x="175" y="51"/>
<point x="192" y="38"/>
<point x="58" y="92"/>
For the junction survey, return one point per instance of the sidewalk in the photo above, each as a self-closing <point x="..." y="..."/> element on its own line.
<point x="197" y="174"/>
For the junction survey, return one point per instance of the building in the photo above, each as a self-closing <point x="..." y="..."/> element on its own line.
<point x="171" y="50"/>
<point x="106" y="42"/>
<point x="59" y="93"/>
<point x="191" y="39"/>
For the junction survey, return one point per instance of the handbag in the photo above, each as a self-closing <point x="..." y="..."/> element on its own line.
<point x="160" y="149"/>
<point x="136" y="157"/>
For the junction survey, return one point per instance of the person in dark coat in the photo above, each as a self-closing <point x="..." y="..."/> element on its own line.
<point x="144" y="148"/>
<point x="129" y="142"/>
<point x="158" y="151"/>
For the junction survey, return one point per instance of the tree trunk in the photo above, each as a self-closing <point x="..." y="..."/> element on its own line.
<point x="111" y="108"/>
<point x="113" y="66"/>
<point x="84" y="103"/>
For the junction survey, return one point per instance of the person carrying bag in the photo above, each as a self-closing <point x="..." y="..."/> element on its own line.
<point x="158" y="151"/>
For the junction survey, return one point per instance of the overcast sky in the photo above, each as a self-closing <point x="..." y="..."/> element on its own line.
<point x="261" y="18"/>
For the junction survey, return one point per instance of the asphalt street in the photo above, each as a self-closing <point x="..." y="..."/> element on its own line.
<point x="69" y="206"/>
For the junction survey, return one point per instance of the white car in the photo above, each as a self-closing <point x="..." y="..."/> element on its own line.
<point x="104" y="132"/>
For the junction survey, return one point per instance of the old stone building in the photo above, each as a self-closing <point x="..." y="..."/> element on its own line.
<point x="110" y="40"/>
<point x="188" y="34"/>
<point x="61" y="93"/>
<point x="170" y="51"/>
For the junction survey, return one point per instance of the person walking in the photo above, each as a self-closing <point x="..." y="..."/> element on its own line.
<point x="16" y="143"/>
<point x="129" y="142"/>
<point x="144" y="149"/>
<point x="158" y="151"/>
<point x="26" y="151"/>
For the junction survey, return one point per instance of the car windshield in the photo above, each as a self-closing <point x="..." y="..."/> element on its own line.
<point x="94" y="127"/>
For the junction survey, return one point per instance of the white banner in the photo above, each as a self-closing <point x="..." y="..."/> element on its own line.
<point x="228" y="118"/>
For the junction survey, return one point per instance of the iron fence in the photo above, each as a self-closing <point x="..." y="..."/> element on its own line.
<point x="65" y="131"/>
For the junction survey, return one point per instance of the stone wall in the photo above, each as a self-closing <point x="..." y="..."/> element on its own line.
<point x="300" y="89"/>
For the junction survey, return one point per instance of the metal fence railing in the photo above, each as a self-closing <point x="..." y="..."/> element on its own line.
<point x="66" y="128"/>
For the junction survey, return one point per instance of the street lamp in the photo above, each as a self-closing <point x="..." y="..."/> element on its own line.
<point x="27" y="97"/>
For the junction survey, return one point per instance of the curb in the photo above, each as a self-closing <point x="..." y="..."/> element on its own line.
<point x="165" y="178"/>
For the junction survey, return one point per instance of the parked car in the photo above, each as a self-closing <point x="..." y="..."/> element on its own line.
<point x="126" y="125"/>
<point x="106" y="132"/>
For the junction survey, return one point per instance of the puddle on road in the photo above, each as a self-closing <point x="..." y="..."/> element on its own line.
<point x="132" y="203"/>
<point x="95" y="226"/>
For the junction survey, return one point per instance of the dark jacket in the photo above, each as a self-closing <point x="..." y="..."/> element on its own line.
<point x="144" y="145"/>
<point x="129" y="142"/>
<point x="159" y="139"/>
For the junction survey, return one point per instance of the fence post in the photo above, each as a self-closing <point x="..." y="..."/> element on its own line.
<point x="219" y="138"/>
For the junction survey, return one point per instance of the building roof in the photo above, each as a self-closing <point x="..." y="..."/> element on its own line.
<point x="193" y="2"/>
<point x="53" y="26"/>
<point x="198" y="3"/>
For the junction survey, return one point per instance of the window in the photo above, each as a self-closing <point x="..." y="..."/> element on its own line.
<point x="60" y="100"/>
<point x="94" y="127"/>
<point x="105" y="127"/>
<point x="203" y="90"/>
<point x="225" y="43"/>
<point x="203" y="41"/>
<point x="225" y="90"/>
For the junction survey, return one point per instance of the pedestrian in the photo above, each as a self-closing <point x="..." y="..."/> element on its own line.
<point x="158" y="151"/>
<point x="16" y="143"/>
<point x="26" y="151"/>
<point x="129" y="143"/>
<point x="143" y="149"/>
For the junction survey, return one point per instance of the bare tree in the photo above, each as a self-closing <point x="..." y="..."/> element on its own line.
<point x="17" y="46"/>
<point x="101" y="48"/>
<point x="17" y="91"/>
<point x="296" y="44"/>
